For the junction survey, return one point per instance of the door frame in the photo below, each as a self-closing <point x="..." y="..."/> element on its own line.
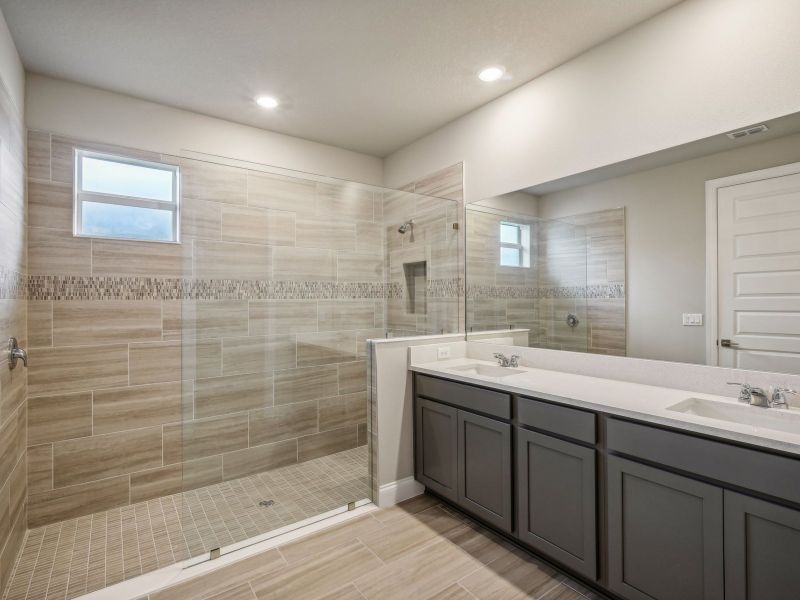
<point x="712" y="299"/>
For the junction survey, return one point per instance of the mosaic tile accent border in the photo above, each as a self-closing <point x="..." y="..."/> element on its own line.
<point x="74" y="287"/>
<point x="510" y="292"/>
<point x="13" y="285"/>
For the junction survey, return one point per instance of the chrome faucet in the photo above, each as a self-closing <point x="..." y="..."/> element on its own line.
<point x="16" y="353"/>
<point x="778" y="397"/>
<point x="505" y="361"/>
<point x="756" y="396"/>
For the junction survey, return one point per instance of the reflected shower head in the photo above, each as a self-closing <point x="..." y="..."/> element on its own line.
<point x="405" y="227"/>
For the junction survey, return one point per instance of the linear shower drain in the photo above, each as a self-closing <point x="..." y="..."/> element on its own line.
<point x="266" y="503"/>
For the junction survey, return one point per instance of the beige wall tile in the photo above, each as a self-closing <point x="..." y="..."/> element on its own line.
<point x="13" y="389"/>
<point x="325" y="348"/>
<point x="231" y="394"/>
<point x="282" y="316"/>
<point x="340" y="411"/>
<point x="303" y="264"/>
<point x="57" y="252"/>
<point x="281" y="193"/>
<point x="352" y="377"/>
<point x="258" y="459"/>
<point x="257" y="354"/>
<point x="40" y="323"/>
<point x="176" y="478"/>
<point x="201" y="358"/>
<point x="155" y="362"/>
<point x="12" y="444"/>
<point x="300" y="385"/>
<point x="228" y="260"/>
<point x="205" y="318"/>
<point x="201" y="219"/>
<point x="77" y="500"/>
<point x="63" y="152"/>
<point x="328" y="442"/>
<point x="50" y="205"/>
<point x="58" y="370"/>
<point x="363" y="434"/>
<point x="135" y="407"/>
<point x="101" y="456"/>
<point x="369" y="238"/>
<point x="120" y="258"/>
<point x="207" y="181"/>
<point x="445" y="183"/>
<point x="40" y="468"/>
<point x="60" y="417"/>
<point x="359" y="267"/>
<point x="326" y="234"/>
<point x="38" y="155"/>
<point x="206" y="437"/>
<point x="283" y="422"/>
<point x="346" y="314"/>
<point x="348" y="201"/>
<point x="79" y="322"/>
<point x="257" y="226"/>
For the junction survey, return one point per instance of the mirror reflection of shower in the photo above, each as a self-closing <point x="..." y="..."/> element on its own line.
<point x="405" y="227"/>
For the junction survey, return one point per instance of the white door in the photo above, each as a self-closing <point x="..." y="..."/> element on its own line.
<point x="758" y="279"/>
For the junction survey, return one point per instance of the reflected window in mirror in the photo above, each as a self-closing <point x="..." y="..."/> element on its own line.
<point x="515" y="244"/>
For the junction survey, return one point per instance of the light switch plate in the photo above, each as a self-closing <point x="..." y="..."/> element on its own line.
<point x="693" y="319"/>
<point x="443" y="352"/>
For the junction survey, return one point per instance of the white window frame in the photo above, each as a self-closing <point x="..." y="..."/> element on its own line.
<point x="524" y="245"/>
<point x="80" y="196"/>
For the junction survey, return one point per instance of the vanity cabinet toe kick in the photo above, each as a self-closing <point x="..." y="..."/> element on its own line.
<point x="638" y="511"/>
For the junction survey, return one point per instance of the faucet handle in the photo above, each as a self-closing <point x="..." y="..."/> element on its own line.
<point x="777" y="396"/>
<point x="514" y="360"/>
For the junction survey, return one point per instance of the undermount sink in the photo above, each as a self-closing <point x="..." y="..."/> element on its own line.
<point x="787" y="421"/>
<point x="486" y="370"/>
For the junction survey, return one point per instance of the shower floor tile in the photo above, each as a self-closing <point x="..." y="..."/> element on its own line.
<point x="67" y="559"/>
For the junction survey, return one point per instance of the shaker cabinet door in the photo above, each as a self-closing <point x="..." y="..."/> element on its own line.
<point x="436" y="447"/>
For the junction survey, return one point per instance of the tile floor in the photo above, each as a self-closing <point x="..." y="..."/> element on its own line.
<point x="417" y="550"/>
<point x="66" y="559"/>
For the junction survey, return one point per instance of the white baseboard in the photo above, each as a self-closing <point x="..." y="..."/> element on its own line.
<point x="390" y="494"/>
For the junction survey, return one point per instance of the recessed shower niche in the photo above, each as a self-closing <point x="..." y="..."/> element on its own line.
<point x="416" y="274"/>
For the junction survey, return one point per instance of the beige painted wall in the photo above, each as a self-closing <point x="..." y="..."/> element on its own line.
<point x="665" y="212"/>
<point x="699" y="69"/>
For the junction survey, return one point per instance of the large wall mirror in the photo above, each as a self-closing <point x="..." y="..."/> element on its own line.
<point x="690" y="254"/>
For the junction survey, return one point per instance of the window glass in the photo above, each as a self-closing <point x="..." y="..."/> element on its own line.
<point x="510" y="257"/>
<point x="118" y="220"/>
<point x="121" y="179"/>
<point x="509" y="233"/>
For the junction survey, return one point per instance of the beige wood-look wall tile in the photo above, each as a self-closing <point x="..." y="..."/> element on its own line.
<point x="77" y="322"/>
<point x="18" y="488"/>
<point x="13" y="390"/>
<point x="58" y="252"/>
<point x="155" y="362"/>
<point x="346" y="314"/>
<point x="172" y="479"/>
<point x="301" y="385"/>
<point x="303" y="264"/>
<point x="257" y="226"/>
<point x="369" y="239"/>
<point x="359" y="267"/>
<point x="352" y="377"/>
<point x="326" y="234"/>
<point x="200" y="219"/>
<point x="283" y="422"/>
<point x="40" y="323"/>
<point x="363" y="434"/>
<point x="12" y="445"/>
<point x="40" y="468"/>
<point x="60" y="417"/>
<point x="127" y="258"/>
<point x="10" y="553"/>
<point x="5" y="512"/>
<point x="258" y="459"/>
<point x="38" y="155"/>
<point x="204" y="437"/>
<point x="257" y="354"/>
<point x="208" y="181"/>
<point x="50" y="205"/>
<point x="63" y="155"/>
<point x="207" y="319"/>
<point x="135" y="407"/>
<point x="73" y="368"/>
<point x="101" y="456"/>
<point x="346" y="201"/>
<point x="201" y="359"/>
<point x="282" y="316"/>
<point x="231" y="394"/>
<point x="228" y="260"/>
<point x="328" y="442"/>
<point x="281" y="193"/>
<point x="340" y="411"/>
<point x="445" y="183"/>
<point x="77" y="500"/>
<point x="325" y="348"/>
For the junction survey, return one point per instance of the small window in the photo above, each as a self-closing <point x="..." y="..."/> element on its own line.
<point x="126" y="198"/>
<point x="515" y="245"/>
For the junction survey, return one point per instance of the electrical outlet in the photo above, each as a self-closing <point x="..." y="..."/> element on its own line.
<point x="443" y="352"/>
<point x="692" y="319"/>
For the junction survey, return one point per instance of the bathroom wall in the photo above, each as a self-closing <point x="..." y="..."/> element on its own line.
<point x="13" y="384"/>
<point x="252" y="331"/>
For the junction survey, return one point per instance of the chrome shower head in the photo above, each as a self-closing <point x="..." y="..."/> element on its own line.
<point x="405" y="227"/>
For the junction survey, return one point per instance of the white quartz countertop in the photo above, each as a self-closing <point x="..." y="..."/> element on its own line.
<point x="642" y="402"/>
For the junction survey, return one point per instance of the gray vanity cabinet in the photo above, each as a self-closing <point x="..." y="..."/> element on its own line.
<point x="436" y="447"/>
<point x="484" y="469"/>
<point x="665" y="534"/>
<point x="556" y="500"/>
<point x="762" y="549"/>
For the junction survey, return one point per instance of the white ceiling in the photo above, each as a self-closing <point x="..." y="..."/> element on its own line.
<point x="367" y="75"/>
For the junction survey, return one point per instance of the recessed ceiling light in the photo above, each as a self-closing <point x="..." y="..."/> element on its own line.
<point x="267" y="102"/>
<point x="491" y="74"/>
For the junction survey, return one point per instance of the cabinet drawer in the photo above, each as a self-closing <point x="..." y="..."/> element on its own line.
<point x="770" y="474"/>
<point x="496" y="404"/>
<point x="561" y="420"/>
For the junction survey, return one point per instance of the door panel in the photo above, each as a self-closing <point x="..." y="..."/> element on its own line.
<point x="762" y="549"/>
<point x="484" y="468"/>
<point x="665" y="534"/>
<point x="556" y="510"/>
<point x="436" y="447"/>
